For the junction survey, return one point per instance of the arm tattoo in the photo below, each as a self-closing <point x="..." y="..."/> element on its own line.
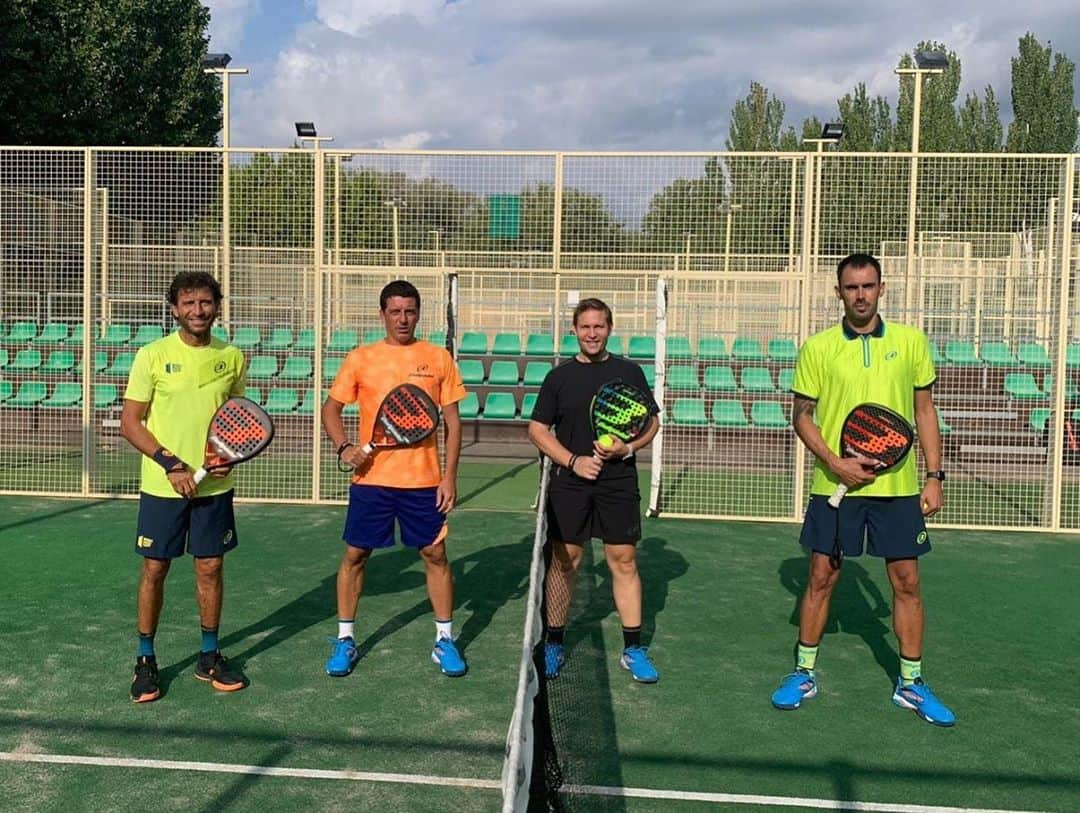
<point x="802" y="406"/>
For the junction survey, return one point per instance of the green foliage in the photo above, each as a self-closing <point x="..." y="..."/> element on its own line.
<point x="1044" y="112"/>
<point x="756" y="122"/>
<point x="937" y="121"/>
<point x="111" y="72"/>
<point x="867" y="122"/>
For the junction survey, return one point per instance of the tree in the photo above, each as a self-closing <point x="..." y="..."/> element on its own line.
<point x="756" y="122"/>
<point x="867" y="122"/>
<point x="86" y="72"/>
<point x="1044" y="113"/>
<point x="937" y="119"/>
<point x="979" y="123"/>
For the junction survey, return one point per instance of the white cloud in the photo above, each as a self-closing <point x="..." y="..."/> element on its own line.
<point x="354" y="16"/>
<point x="227" y="21"/>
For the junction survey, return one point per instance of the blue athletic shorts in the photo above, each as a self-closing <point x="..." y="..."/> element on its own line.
<point x="890" y="527"/>
<point x="369" y="522"/>
<point x="205" y="526"/>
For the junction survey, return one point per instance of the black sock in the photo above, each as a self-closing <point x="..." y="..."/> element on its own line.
<point x="555" y="635"/>
<point x="631" y="636"/>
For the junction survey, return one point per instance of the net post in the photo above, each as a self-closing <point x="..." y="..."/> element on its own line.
<point x="451" y="313"/>
<point x="658" y="393"/>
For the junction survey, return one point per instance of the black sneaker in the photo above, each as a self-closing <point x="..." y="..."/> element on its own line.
<point x="144" y="685"/>
<point x="213" y="668"/>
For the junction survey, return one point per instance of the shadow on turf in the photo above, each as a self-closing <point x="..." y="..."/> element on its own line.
<point x="857" y="608"/>
<point x="73" y="508"/>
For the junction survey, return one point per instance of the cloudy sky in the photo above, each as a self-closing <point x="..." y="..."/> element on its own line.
<point x="588" y="74"/>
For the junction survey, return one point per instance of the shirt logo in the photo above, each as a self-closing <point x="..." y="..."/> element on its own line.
<point x="173" y="367"/>
<point x="922" y="538"/>
<point x="891" y="355"/>
<point x="421" y="371"/>
<point x="219" y="368"/>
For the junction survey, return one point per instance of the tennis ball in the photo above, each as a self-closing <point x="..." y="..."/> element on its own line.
<point x="607" y="441"/>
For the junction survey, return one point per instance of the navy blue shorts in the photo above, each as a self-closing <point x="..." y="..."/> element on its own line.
<point x="205" y="526"/>
<point x="890" y="527"/>
<point x="369" y="522"/>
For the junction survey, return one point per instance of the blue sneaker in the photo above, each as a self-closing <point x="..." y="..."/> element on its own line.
<point x="636" y="659"/>
<point x="554" y="658"/>
<point x="343" y="657"/>
<point x="923" y="702"/>
<point x="449" y="659"/>
<point x="795" y="688"/>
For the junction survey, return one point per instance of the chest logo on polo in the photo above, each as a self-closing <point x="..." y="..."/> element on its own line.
<point x="891" y="355"/>
<point x="173" y="367"/>
<point x="220" y="367"/>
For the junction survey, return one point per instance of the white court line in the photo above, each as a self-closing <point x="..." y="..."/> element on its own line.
<point x="485" y="784"/>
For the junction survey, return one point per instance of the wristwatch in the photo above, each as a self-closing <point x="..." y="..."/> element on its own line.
<point x="937" y="475"/>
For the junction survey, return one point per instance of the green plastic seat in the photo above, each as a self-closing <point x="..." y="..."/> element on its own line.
<point x="247" y="338"/>
<point x="997" y="354"/>
<point x="105" y="395"/>
<point x="711" y="348"/>
<point x="21" y="332"/>
<point x="262" y="367"/>
<point x="30" y="394"/>
<point x="650" y="374"/>
<point x="642" y="347"/>
<point x="342" y="340"/>
<point x="65" y="395"/>
<point x="745" y="349"/>
<point x="720" y="379"/>
<point x="1022" y="387"/>
<point x="437" y="338"/>
<point x="26" y="360"/>
<point x="1071" y="388"/>
<point x="375" y="334"/>
<point x="1038" y="419"/>
<point x="935" y="354"/>
<point x="254" y="394"/>
<point x="331" y="366"/>
<point x="1072" y="355"/>
<point x="469" y="406"/>
<point x="5" y="357"/>
<point x="688" y="412"/>
<point x="296" y="368"/>
<point x="503" y="374"/>
<point x="472" y="371"/>
<point x="59" y="361"/>
<point x="282" y="400"/>
<point x="280" y="338"/>
<point x="682" y="377"/>
<point x="500" y="406"/>
<point x="220" y="332"/>
<point x="756" y="379"/>
<point x="116" y="335"/>
<point x="473" y="343"/>
<point x="729" y="412"/>
<point x="506" y="344"/>
<point x="52" y="333"/>
<point x="536" y="372"/>
<point x="6" y="389"/>
<point x="1032" y="354"/>
<point x="307" y="405"/>
<point x="99" y="360"/>
<point x="527" y="404"/>
<point x="146" y="334"/>
<point x="615" y="346"/>
<point x="121" y="365"/>
<point x="943" y="426"/>
<point x="677" y="348"/>
<point x="783" y="350"/>
<point x="305" y="340"/>
<point x="961" y="354"/>
<point x="540" y="344"/>
<point x="568" y="345"/>
<point x="785" y="379"/>
<point x="75" y="335"/>
<point x="768" y="415"/>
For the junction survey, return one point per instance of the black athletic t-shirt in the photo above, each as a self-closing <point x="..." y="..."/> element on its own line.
<point x="565" y="401"/>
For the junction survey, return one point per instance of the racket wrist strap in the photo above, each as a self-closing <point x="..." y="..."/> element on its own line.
<point x="343" y="446"/>
<point x="573" y="460"/>
<point x="167" y="460"/>
<point x="629" y="452"/>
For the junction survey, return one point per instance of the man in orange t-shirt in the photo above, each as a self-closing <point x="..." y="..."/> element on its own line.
<point x="402" y="484"/>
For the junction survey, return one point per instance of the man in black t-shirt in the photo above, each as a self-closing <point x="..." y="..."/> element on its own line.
<point x="593" y="491"/>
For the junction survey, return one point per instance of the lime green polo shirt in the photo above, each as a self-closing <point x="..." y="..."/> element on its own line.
<point x="840" y="369"/>
<point x="184" y="386"/>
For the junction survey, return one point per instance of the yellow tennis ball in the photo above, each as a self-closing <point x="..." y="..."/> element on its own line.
<point x="607" y="441"/>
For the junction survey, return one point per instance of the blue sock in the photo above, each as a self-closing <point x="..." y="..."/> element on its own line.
<point x="209" y="640"/>
<point x="146" y="645"/>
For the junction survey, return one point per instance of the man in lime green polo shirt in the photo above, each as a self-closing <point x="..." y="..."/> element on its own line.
<point x="175" y="386"/>
<point x="862" y="360"/>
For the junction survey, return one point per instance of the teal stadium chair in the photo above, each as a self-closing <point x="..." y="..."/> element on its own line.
<point x="146" y="334"/>
<point x="642" y="347"/>
<point x="506" y="344"/>
<point x="540" y="344"/>
<point x="99" y="360"/>
<point x="712" y="349"/>
<point x="756" y="379"/>
<point x="720" y="379"/>
<point x="260" y="367"/>
<point x="121" y="365"/>
<point x="6" y="390"/>
<point x="116" y="335"/>
<point x="1032" y="354"/>
<point x="747" y="350"/>
<point x="943" y="427"/>
<point x="935" y="354"/>
<point x="375" y="334"/>
<point x="785" y="379"/>
<point x="1072" y="355"/>
<point x="30" y="394"/>
<point x="650" y="374"/>
<point x="677" y="348"/>
<point x="682" y="377"/>
<point x="59" y="361"/>
<point x="728" y="412"/>
<point x="615" y="346"/>
<point x="331" y="367"/>
<point x="280" y="338"/>
<point x="52" y="333"/>
<point x="5" y="357"/>
<point x="536" y="372"/>
<point x="66" y="395"/>
<point x="503" y="374"/>
<point x="768" y="415"/>
<point x="342" y="340"/>
<point x="105" y="395"/>
<point x="469" y="407"/>
<point x="961" y="354"/>
<point x="282" y="400"/>
<point x="997" y="354"/>
<point x="473" y="343"/>
<point x="1038" y="419"/>
<point x="527" y="404"/>
<point x="437" y="338"/>
<point x="783" y="350"/>
<point x="1071" y="389"/>
<point x="247" y="338"/>
<point x="688" y="412"/>
<point x="568" y="345"/>
<point x="25" y="360"/>
<point x="21" y="332"/>
<point x="296" y="368"/>
<point x="307" y="405"/>
<point x="254" y="394"/>
<point x="1022" y="387"/>
<point x="220" y="332"/>
<point x="305" y="340"/>
<point x="472" y="371"/>
<point x="75" y="335"/>
<point x="500" y="406"/>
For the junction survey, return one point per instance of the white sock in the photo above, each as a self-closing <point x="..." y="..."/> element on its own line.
<point x="444" y="629"/>
<point x="345" y="628"/>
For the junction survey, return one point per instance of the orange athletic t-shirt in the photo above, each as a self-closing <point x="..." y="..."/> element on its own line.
<point x="367" y="374"/>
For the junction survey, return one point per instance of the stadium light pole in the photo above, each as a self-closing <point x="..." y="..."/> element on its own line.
<point x="394" y="204"/>
<point x="729" y="210"/>
<point x="437" y="235"/>
<point x="831" y="133"/>
<point x="689" y="234"/>
<point x="217" y="64"/>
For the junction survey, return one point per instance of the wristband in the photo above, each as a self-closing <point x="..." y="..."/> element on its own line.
<point x="629" y="452"/>
<point x="167" y="460"/>
<point x="344" y="445"/>
<point x="573" y="460"/>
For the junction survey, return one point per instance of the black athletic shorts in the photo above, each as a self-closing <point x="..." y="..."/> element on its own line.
<point x="890" y="527"/>
<point x="204" y="526"/>
<point x="579" y="510"/>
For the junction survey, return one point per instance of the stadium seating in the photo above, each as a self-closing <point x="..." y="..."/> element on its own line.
<point x="768" y="415"/>
<point x="568" y="345"/>
<point x="1072" y="355"/>
<point x="52" y="333"/>
<point x="331" y="366"/>
<point x="247" y="338"/>
<point x="756" y="379"/>
<point x="540" y="344"/>
<point x="712" y="349"/>
<point x="342" y="340"/>
<point x="282" y="400"/>
<point x="25" y="360"/>
<point x="642" y="347"/>
<point x="305" y="340"/>
<point x="782" y="350"/>
<point x="472" y="371"/>
<point x="375" y="334"/>
<point x="220" y="332"/>
<point x="121" y="365"/>
<point x="1022" y="387"/>
<point x="116" y="335"/>
<point x="262" y="367"/>
<point x="615" y="345"/>
<point x="682" y="377"/>
<point x="473" y="343"/>
<point x="105" y="395"/>
<point x="30" y="394"/>
<point x="499" y="406"/>
<point x="469" y="406"/>
<point x="146" y="334"/>
<point x="536" y="372"/>
<point x="720" y="379"/>
<point x="1038" y="419"/>
<point x="997" y="354"/>
<point x="961" y="354"/>
<point x="527" y="404"/>
<point x="307" y="405"/>
<point x="677" y="348"/>
<point x="506" y="344"/>
<point x="650" y="374"/>
<point x="1071" y="388"/>
<point x="6" y="389"/>
<point x="66" y="395"/>
<point x="688" y="412"/>
<point x="21" y="332"/>
<point x="59" y="361"/>
<point x="437" y="338"/>
<point x="296" y="368"/>
<point x="254" y="394"/>
<point x="729" y="413"/>
<point x="747" y="350"/>
<point x="785" y="379"/>
<point x="98" y="362"/>
<point x="935" y="354"/>
<point x="503" y="374"/>
<point x="1032" y="354"/>
<point x="280" y="338"/>
<point x="5" y="357"/>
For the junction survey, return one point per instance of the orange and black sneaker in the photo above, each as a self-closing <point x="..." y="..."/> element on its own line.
<point x="144" y="685"/>
<point x="214" y="669"/>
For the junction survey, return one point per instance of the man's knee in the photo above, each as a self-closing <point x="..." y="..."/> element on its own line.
<point x="355" y="558"/>
<point x="208" y="567"/>
<point x="434" y="555"/>
<point x="155" y="570"/>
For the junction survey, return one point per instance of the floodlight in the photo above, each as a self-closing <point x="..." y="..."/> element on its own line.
<point x="218" y="61"/>
<point x="306" y="129"/>
<point x="833" y="131"/>
<point x="931" y="60"/>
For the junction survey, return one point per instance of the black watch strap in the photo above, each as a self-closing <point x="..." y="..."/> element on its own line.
<point x="937" y="475"/>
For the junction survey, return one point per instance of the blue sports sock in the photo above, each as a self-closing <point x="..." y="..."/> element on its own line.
<point x="209" y="640"/>
<point x="146" y="645"/>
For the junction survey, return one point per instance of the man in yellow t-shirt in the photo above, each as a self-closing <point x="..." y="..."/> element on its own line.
<point x="863" y="360"/>
<point x="175" y="386"/>
<point x="402" y="484"/>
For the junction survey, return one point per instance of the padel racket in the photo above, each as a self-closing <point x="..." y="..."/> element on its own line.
<point x="406" y="416"/>
<point x="239" y="430"/>
<point x="620" y="410"/>
<point x="877" y="432"/>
